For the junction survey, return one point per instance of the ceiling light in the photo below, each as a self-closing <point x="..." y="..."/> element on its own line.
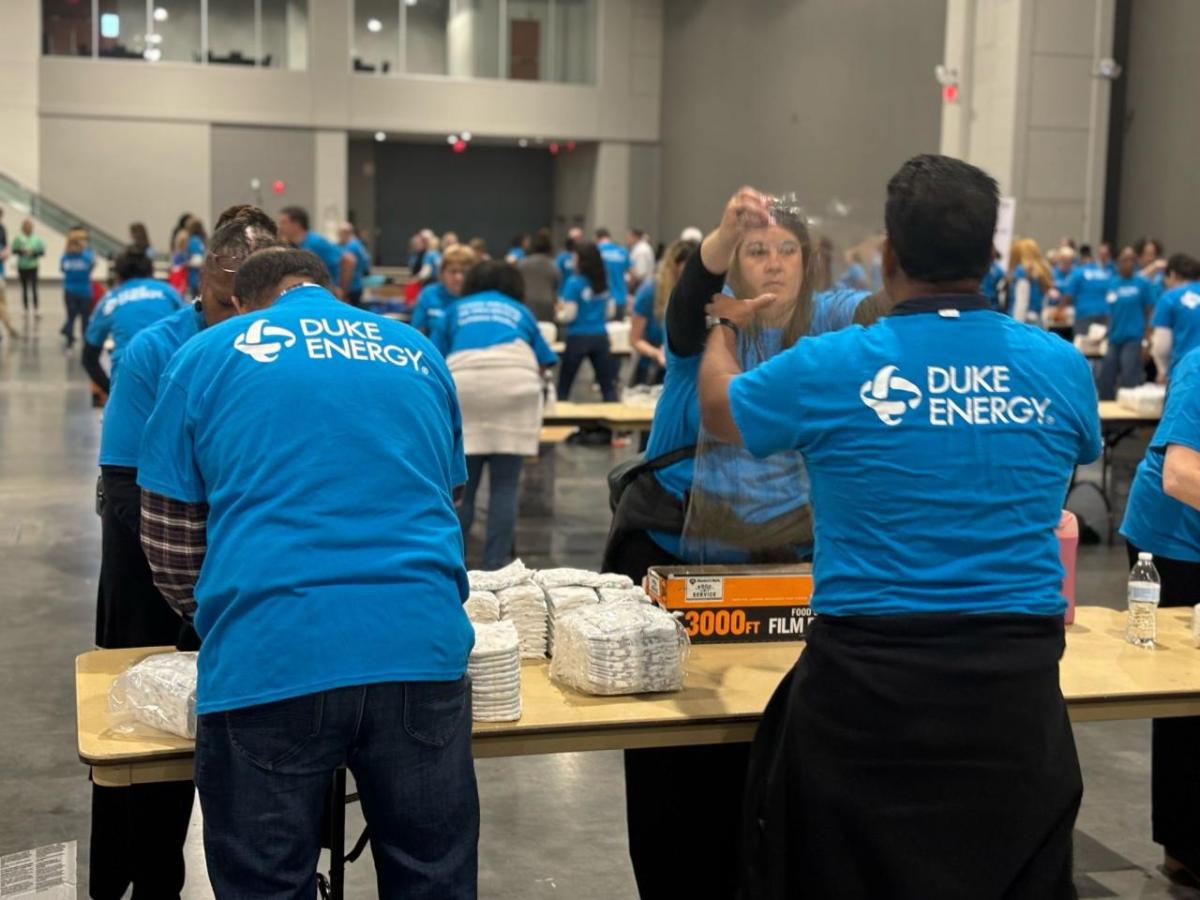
<point x="374" y="26"/>
<point x="466" y="136"/>
<point x="410" y="2"/>
<point x="523" y="142"/>
<point x="161" y="14"/>
<point x="380" y="136"/>
<point x="452" y="139"/>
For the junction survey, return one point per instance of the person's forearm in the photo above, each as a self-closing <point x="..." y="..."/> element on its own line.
<point x="1181" y="475"/>
<point x="174" y="539"/>
<point x="1161" y="341"/>
<point x="717" y="371"/>
<point x="686" y="319"/>
<point x="91" y="365"/>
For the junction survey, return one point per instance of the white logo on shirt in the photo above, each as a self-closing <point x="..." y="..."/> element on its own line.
<point x="263" y="342"/>
<point x="1190" y="300"/>
<point x="877" y="394"/>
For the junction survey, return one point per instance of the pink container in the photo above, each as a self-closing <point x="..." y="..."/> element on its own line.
<point x="1068" y="546"/>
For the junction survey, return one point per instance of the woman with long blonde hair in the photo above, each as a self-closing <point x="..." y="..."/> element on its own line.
<point x="648" y="322"/>
<point x="1030" y="279"/>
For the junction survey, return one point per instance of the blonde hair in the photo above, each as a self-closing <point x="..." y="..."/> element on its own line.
<point x="1026" y="253"/>
<point x="666" y="277"/>
<point x="458" y="255"/>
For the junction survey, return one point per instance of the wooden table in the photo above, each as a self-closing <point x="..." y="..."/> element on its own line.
<point x="617" y="416"/>
<point x="727" y="688"/>
<point x="1116" y="424"/>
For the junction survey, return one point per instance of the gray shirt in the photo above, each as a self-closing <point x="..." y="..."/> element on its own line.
<point x="541" y="285"/>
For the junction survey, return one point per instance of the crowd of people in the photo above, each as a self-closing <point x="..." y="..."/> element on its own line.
<point x="756" y="455"/>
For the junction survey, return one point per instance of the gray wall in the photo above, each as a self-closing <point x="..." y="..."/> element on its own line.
<point x="240" y="154"/>
<point x="822" y="97"/>
<point x="493" y="192"/>
<point x="1160" y="170"/>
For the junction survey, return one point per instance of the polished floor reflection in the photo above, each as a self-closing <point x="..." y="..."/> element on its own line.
<point x="552" y="826"/>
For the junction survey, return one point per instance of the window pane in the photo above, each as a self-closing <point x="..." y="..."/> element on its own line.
<point x="285" y="34"/>
<point x="67" y="27"/>
<point x="376" y="36"/>
<point x="231" y="38"/>
<point x="453" y="37"/>
<point x="575" y="41"/>
<point x="122" y="28"/>
<point x="174" y="31"/>
<point x="528" y="40"/>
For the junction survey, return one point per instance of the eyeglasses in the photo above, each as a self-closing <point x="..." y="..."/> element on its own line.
<point x="223" y="261"/>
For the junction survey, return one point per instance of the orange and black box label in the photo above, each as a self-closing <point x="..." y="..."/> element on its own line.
<point x="727" y="604"/>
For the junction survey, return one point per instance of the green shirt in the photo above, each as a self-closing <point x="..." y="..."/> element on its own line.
<point x="28" y="250"/>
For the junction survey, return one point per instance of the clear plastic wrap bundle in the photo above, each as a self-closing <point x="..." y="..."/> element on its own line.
<point x="560" y="601"/>
<point x="620" y="648"/>
<point x="552" y="578"/>
<point x="623" y="595"/>
<point x="159" y="691"/>
<point x="495" y="670"/>
<point x="525" y="606"/>
<point x="482" y="606"/>
<point x="511" y="575"/>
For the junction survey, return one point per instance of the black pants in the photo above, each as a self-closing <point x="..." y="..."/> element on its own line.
<point x="137" y="832"/>
<point x="680" y="799"/>
<point x="29" y="287"/>
<point x="1174" y="779"/>
<point x="594" y="347"/>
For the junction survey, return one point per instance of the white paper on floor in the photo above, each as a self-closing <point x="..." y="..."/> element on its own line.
<point x="47" y="873"/>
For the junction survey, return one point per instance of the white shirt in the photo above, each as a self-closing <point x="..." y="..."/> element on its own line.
<point x="641" y="261"/>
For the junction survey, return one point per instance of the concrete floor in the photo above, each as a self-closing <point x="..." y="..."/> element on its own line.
<point x="552" y="826"/>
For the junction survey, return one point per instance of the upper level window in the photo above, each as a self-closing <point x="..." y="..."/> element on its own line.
<point x="527" y="40"/>
<point x="266" y="33"/>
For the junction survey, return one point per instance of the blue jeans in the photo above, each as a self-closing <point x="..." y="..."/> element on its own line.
<point x="594" y="347"/>
<point x="504" y="474"/>
<point x="78" y="307"/>
<point x="263" y="773"/>
<point x="1122" y="365"/>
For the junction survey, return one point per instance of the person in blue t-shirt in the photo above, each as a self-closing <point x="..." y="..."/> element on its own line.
<point x="76" y="265"/>
<point x="992" y="282"/>
<point x="1176" y="319"/>
<point x="855" y="278"/>
<point x="939" y="444"/>
<point x="318" y="520"/>
<point x="518" y="247"/>
<point x="196" y="248"/>
<point x="1087" y="291"/>
<point x="566" y="258"/>
<point x="497" y="355"/>
<point x="616" y="266"/>
<point x="138" y="836"/>
<point x="1151" y="261"/>
<point x="1162" y="517"/>
<point x="648" y="321"/>
<point x="584" y="309"/>
<point x="436" y="298"/>
<point x="136" y="301"/>
<point x="294" y="228"/>
<point x="349" y="240"/>
<point x="1130" y="304"/>
<point x="746" y="510"/>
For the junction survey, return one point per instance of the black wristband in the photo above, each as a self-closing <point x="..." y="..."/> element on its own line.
<point x="731" y="325"/>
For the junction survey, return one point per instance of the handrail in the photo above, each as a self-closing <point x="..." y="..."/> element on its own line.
<point x="57" y="217"/>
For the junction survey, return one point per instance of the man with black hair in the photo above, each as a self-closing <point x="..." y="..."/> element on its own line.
<point x="1176" y="320"/>
<point x="342" y="263"/>
<point x="136" y="301"/>
<point x="920" y="747"/>
<point x="138" y="832"/>
<point x="249" y="528"/>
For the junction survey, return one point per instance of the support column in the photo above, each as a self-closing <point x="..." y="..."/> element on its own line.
<point x="610" y="188"/>
<point x="1031" y="110"/>
<point x="330" y="181"/>
<point x="19" y="59"/>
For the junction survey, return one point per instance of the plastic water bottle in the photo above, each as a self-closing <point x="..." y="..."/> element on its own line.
<point x="1144" y="588"/>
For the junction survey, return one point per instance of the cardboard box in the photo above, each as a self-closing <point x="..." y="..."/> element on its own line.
<point x="732" y="604"/>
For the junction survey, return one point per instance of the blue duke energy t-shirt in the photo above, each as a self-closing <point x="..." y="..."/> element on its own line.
<point x="1179" y="310"/>
<point x="1128" y="300"/>
<point x="327" y="442"/>
<point x="616" y="264"/>
<point x="1154" y="522"/>
<point x="329" y="252"/>
<point x="592" y="307"/>
<point x="132" y="398"/>
<point x="127" y="309"/>
<point x="490" y="319"/>
<point x="1088" y="285"/>
<point x="939" y="449"/>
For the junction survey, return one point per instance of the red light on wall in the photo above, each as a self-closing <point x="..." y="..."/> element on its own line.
<point x="554" y="149"/>
<point x="460" y="146"/>
<point x="950" y="93"/>
<point x="570" y="146"/>
<point x="278" y="187"/>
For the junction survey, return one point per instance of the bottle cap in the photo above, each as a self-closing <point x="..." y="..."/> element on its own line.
<point x="1145" y="557"/>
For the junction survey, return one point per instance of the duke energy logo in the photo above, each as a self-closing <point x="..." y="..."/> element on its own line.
<point x="263" y="342"/>
<point x="954" y="395"/>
